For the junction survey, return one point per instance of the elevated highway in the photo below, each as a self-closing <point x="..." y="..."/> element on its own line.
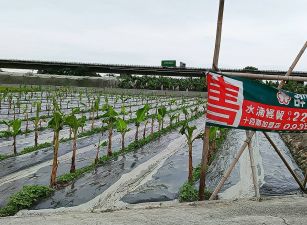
<point x="129" y="69"/>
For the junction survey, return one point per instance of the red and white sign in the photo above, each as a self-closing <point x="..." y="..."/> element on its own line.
<point x="227" y="105"/>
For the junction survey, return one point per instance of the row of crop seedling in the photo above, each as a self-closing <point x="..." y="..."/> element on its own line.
<point x="49" y="108"/>
<point x="91" y="108"/>
<point x="18" y="107"/>
<point x="134" y="145"/>
<point x="14" y="126"/>
<point x="95" y="108"/>
<point x="112" y="120"/>
<point x="59" y="94"/>
<point x="33" y="194"/>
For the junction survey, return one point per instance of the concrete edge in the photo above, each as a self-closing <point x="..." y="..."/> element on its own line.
<point x="162" y="205"/>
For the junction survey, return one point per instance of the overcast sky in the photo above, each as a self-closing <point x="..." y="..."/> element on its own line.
<point x="265" y="33"/>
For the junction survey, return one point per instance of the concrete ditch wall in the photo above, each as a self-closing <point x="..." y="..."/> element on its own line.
<point x="107" y="84"/>
<point x="297" y="143"/>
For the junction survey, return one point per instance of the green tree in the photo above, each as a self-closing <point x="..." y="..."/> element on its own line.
<point x="140" y="117"/>
<point x="79" y="71"/>
<point x="98" y="146"/>
<point x="188" y="132"/>
<point x="186" y="113"/>
<point x="95" y="108"/>
<point x="250" y="68"/>
<point x="56" y="123"/>
<point x="172" y="118"/>
<point x="16" y="129"/>
<point x="36" y="121"/>
<point x="122" y="128"/>
<point x="74" y="123"/>
<point x="110" y="118"/>
<point x="123" y="111"/>
<point x="161" y="115"/>
<point x="153" y="117"/>
<point x="26" y="114"/>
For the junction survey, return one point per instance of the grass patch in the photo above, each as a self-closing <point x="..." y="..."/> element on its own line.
<point x="35" y="148"/>
<point x="92" y="131"/>
<point x="3" y="157"/>
<point x="188" y="192"/>
<point x="25" y="199"/>
<point x="218" y="143"/>
<point x="72" y="176"/>
<point x="196" y="173"/>
<point x="4" y="134"/>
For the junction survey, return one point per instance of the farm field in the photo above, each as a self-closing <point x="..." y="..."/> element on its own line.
<point x="72" y="148"/>
<point x="81" y="141"/>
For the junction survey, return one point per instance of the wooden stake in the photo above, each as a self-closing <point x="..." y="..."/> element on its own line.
<point x="253" y="167"/>
<point x="218" y="36"/>
<point x="232" y="165"/>
<point x="284" y="161"/>
<point x="205" y="153"/>
<point x="204" y="164"/>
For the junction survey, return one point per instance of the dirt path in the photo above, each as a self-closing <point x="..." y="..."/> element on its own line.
<point x="291" y="210"/>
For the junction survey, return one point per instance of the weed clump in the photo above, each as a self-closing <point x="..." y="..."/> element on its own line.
<point x="25" y="199"/>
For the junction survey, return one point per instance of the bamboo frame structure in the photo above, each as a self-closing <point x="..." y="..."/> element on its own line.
<point x="206" y="139"/>
<point x="249" y="135"/>
<point x="232" y="165"/>
<point x="293" y="64"/>
<point x="281" y="84"/>
<point x="266" y="77"/>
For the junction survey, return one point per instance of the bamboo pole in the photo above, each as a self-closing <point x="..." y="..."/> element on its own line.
<point x="204" y="164"/>
<point x="305" y="180"/>
<point x="265" y="76"/>
<point x="232" y="165"/>
<point x="284" y="161"/>
<point x="253" y="167"/>
<point x="218" y="36"/>
<point x="286" y="77"/>
<point x="293" y="64"/>
<point x="280" y="86"/>
<point x="205" y="153"/>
